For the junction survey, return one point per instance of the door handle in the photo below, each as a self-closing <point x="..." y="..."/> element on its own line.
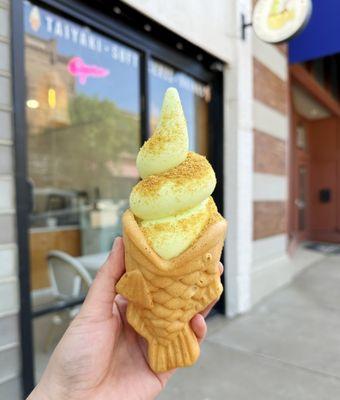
<point x="325" y="195"/>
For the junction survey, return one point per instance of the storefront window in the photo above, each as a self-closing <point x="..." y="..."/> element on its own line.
<point x="83" y="134"/>
<point x="84" y="127"/>
<point x="195" y="97"/>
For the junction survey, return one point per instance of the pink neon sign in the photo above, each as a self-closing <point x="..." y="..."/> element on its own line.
<point x="77" y="67"/>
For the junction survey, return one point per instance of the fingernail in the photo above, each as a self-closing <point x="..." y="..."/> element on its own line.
<point x="116" y="243"/>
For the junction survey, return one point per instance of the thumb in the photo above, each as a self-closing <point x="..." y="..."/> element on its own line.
<point x="99" y="300"/>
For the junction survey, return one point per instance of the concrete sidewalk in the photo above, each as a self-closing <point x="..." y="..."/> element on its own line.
<point x="287" y="348"/>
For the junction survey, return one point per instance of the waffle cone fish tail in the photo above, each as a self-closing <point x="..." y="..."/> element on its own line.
<point x="173" y="237"/>
<point x="181" y="351"/>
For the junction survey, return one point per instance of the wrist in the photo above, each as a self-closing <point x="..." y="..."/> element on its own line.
<point x="38" y="394"/>
<point x="41" y="392"/>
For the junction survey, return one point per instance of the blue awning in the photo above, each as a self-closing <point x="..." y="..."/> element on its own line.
<point x="321" y="37"/>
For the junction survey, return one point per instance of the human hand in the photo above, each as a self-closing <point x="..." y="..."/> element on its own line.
<point x="100" y="355"/>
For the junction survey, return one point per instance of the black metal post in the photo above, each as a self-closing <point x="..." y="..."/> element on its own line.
<point x="216" y="151"/>
<point x="22" y="200"/>
<point x="144" y="95"/>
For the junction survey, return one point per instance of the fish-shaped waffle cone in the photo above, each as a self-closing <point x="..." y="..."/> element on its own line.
<point x="164" y="294"/>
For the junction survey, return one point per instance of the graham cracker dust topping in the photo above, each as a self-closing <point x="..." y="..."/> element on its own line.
<point x="195" y="167"/>
<point x="184" y="224"/>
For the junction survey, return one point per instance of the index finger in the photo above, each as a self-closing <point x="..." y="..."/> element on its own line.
<point x="100" y="297"/>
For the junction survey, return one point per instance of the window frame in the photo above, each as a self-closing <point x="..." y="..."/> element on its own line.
<point x="148" y="45"/>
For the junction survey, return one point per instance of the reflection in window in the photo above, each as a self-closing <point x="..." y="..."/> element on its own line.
<point x="83" y="127"/>
<point x="195" y="97"/>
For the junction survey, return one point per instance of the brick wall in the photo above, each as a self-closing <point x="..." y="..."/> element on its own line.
<point x="270" y="181"/>
<point x="9" y="338"/>
<point x="270" y="139"/>
<point x="269" y="88"/>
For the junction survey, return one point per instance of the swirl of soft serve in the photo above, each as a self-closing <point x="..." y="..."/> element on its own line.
<point x="172" y="202"/>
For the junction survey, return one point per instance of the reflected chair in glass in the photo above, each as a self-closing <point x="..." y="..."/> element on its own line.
<point x="69" y="281"/>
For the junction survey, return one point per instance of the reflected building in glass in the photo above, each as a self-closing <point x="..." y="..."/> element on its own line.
<point x="83" y="134"/>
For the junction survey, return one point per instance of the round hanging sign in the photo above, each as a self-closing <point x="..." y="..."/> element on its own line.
<point x="276" y="21"/>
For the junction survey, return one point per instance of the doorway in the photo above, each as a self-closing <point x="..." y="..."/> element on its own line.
<point x="315" y="168"/>
<point x="324" y="180"/>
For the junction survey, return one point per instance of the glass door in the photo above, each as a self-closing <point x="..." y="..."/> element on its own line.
<point x="83" y="133"/>
<point x="301" y="199"/>
<point x="301" y="179"/>
<point x="85" y="113"/>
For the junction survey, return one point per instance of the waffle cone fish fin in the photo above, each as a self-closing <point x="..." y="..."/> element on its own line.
<point x="133" y="287"/>
<point x="181" y="351"/>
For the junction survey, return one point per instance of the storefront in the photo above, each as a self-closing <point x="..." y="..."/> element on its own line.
<point x="81" y="84"/>
<point x="88" y="88"/>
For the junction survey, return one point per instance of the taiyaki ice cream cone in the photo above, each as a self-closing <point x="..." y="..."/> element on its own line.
<point x="173" y="236"/>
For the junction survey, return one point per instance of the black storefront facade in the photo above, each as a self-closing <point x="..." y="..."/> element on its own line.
<point x="87" y="82"/>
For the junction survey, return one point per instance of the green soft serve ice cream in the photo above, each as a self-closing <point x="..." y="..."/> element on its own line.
<point x="172" y="202"/>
